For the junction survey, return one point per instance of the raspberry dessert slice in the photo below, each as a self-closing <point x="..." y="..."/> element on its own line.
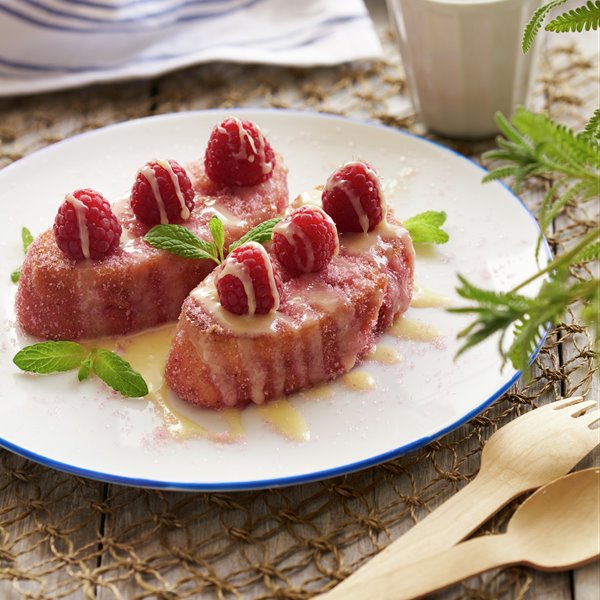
<point x="326" y="321"/>
<point x="353" y="198"/>
<point x="135" y="286"/>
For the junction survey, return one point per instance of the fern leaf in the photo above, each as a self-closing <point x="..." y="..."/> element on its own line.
<point x="543" y="214"/>
<point x="584" y="17"/>
<point x="489" y="298"/>
<point x="592" y="129"/>
<point x="473" y="339"/>
<point x="559" y="204"/>
<point x="528" y="333"/>
<point x="591" y="314"/>
<point x="535" y="23"/>
<point x="591" y="252"/>
<point x="505" y="126"/>
<point x="556" y="141"/>
<point x="499" y="173"/>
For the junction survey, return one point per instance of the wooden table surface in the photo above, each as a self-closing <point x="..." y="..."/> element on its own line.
<point x="30" y="123"/>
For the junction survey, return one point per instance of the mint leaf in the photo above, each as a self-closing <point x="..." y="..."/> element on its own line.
<point x="27" y="238"/>
<point x="262" y="233"/>
<point x="425" y="228"/>
<point x="118" y="374"/>
<point x="86" y="366"/>
<point x="50" y="357"/>
<point x="218" y="234"/>
<point x="181" y="241"/>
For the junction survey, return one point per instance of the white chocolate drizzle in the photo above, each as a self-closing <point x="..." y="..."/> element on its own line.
<point x="148" y="173"/>
<point x="81" y="214"/>
<point x="206" y="295"/>
<point x="227" y="217"/>
<point x="310" y="197"/>
<point x="184" y="213"/>
<point x="347" y="187"/>
<point x="357" y="243"/>
<point x="242" y="154"/>
<point x="255" y="372"/>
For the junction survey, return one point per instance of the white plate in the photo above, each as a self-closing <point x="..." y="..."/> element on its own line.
<point x="84" y="429"/>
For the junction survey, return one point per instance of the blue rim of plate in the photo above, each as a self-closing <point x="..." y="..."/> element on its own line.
<point x="307" y="477"/>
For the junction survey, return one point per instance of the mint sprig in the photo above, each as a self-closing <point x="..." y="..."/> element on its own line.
<point x="118" y="374"/>
<point x="425" y="228"/>
<point x="86" y="366"/>
<point x="262" y="233"/>
<point x="50" y="357"/>
<point x="178" y="240"/>
<point x="26" y="238"/>
<point x="56" y="357"/>
<point x="218" y="233"/>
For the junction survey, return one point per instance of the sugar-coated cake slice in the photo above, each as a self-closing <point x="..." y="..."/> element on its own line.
<point x="324" y="322"/>
<point x="135" y="286"/>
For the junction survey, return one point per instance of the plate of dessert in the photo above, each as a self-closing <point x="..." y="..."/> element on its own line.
<point x="222" y="300"/>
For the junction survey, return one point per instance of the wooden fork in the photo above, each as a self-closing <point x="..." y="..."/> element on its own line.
<point x="528" y="452"/>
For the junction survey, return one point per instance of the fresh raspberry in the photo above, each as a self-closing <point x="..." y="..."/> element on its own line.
<point x="86" y="227"/>
<point x="249" y="264"/>
<point x="238" y="154"/>
<point x="353" y="198"/>
<point x="306" y="240"/>
<point x="174" y="198"/>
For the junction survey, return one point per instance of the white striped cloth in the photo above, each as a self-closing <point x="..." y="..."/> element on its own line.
<point x="53" y="44"/>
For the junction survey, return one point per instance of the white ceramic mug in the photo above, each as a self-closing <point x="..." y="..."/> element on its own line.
<point x="463" y="60"/>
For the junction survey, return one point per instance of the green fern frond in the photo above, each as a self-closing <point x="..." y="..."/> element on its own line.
<point x="472" y="339"/>
<point x="496" y="311"/>
<point x="499" y="173"/>
<point x="535" y="23"/>
<point x="532" y="144"/>
<point x="556" y="141"/>
<point x="470" y="291"/>
<point x="528" y="333"/>
<point x="550" y="210"/>
<point x="591" y="315"/>
<point x="592" y="128"/>
<point x="592" y="252"/>
<point x="506" y="128"/>
<point x="584" y="17"/>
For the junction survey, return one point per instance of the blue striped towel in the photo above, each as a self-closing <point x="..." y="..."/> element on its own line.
<point x="54" y="44"/>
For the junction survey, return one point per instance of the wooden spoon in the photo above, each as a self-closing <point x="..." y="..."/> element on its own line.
<point x="528" y="452"/>
<point x="556" y="528"/>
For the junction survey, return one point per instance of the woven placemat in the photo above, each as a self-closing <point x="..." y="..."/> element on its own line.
<point x="66" y="537"/>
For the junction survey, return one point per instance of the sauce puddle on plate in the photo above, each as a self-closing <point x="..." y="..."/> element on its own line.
<point x="285" y="419"/>
<point x="358" y="380"/>
<point x="424" y="298"/>
<point x="410" y="329"/>
<point x="386" y="355"/>
<point x="147" y="353"/>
